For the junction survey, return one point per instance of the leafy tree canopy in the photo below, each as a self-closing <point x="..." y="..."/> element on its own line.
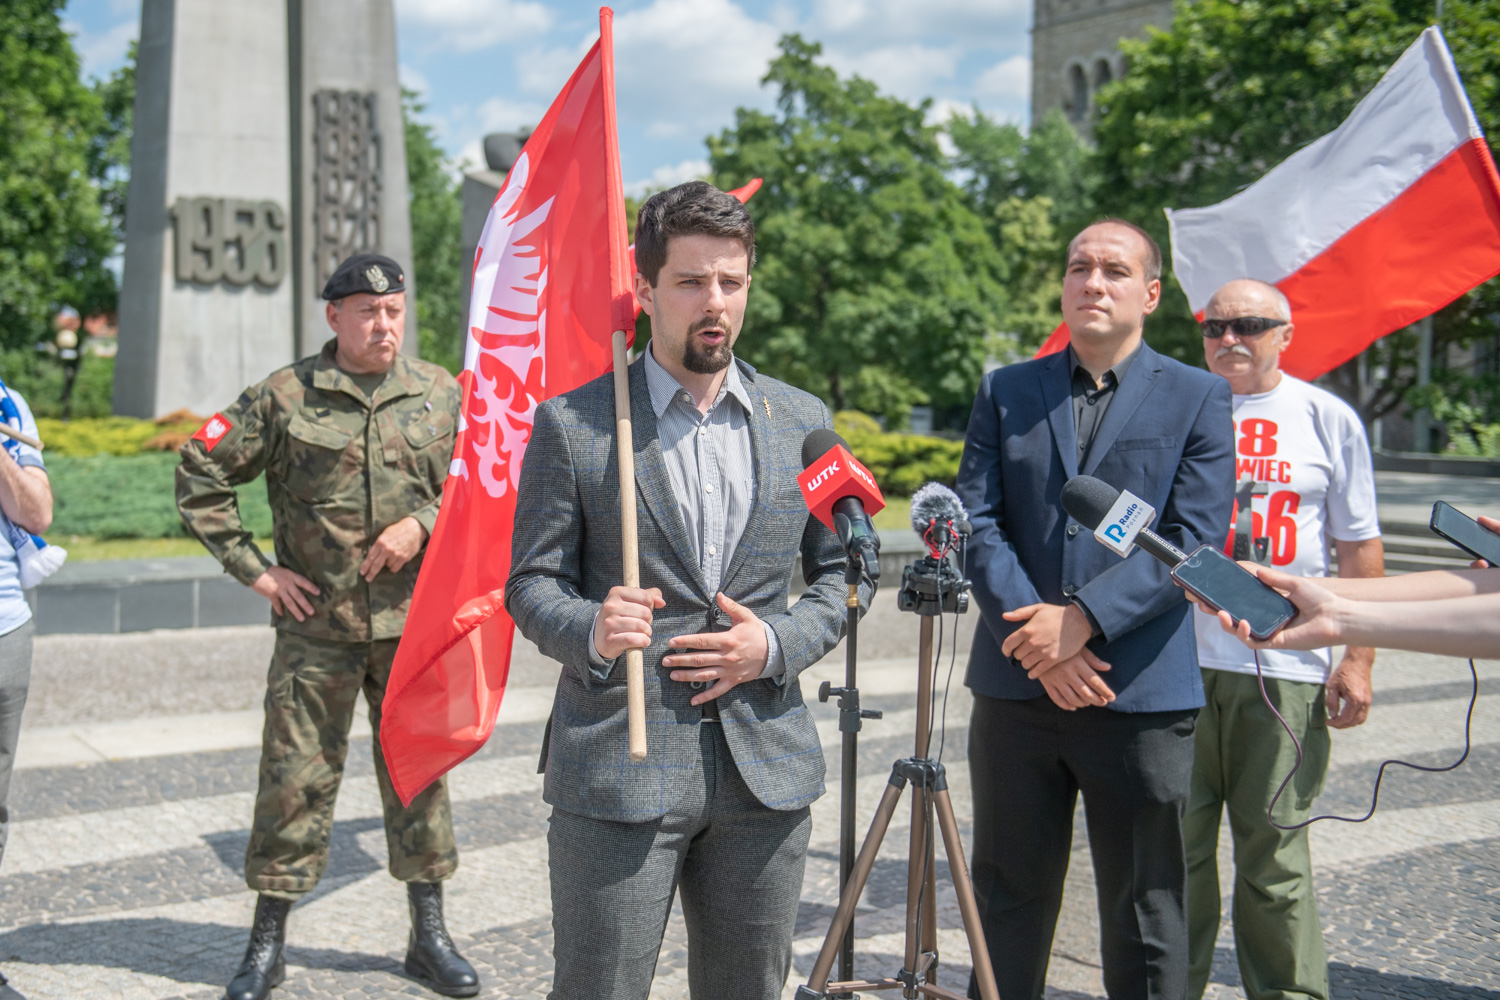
<point x="878" y="285"/>
<point x="54" y="238"/>
<point x="1237" y="86"/>
<point x="1034" y="191"/>
<point x="436" y="242"/>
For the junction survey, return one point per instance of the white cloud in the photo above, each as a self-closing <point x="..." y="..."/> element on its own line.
<point x="689" y="63"/>
<point x="668" y="176"/>
<point x="872" y="22"/>
<point x="1009" y="79"/>
<point x="100" y="52"/>
<point x="908" y="71"/>
<point x="470" y="25"/>
<point x="498" y="114"/>
<point x="412" y="79"/>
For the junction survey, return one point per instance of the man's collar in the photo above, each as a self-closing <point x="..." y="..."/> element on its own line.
<point x="1120" y="368"/>
<point x="664" y="386"/>
<point x="400" y="380"/>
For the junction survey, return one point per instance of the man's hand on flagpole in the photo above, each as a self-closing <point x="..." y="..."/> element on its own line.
<point x="625" y="620"/>
<point x="394" y="548"/>
<point x="726" y="658"/>
<point x="284" y="589"/>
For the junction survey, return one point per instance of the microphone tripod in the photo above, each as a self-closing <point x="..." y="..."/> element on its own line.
<point x="930" y="587"/>
<point x="851" y="721"/>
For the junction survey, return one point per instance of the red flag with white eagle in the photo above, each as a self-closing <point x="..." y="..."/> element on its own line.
<point x="1379" y="223"/>
<point x="551" y="284"/>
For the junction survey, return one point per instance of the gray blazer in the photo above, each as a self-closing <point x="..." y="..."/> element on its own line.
<point x="565" y="556"/>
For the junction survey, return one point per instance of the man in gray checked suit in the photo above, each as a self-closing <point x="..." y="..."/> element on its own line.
<point x="719" y="808"/>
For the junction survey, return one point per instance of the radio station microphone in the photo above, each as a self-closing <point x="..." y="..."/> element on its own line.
<point x="1117" y="518"/>
<point x="842" y="494"/>
<point x="939" y="519"/>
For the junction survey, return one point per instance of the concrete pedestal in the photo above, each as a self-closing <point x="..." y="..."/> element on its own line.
<point x="212" y="140"/>
<point x="268" y="146"/>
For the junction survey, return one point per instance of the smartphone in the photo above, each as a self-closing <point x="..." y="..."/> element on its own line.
<point x="1465" y="532"/>
<point x="1217" y="580"/>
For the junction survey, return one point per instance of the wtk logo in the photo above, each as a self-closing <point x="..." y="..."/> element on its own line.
<point x="822" y="477"/>
<point x="1125" y="520"/>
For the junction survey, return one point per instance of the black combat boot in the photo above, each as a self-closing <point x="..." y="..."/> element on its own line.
<point x="431" y="957"/>
<point x="264" y="966"/>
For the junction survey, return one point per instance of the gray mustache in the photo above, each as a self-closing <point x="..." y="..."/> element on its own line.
<point x="1239" y="349"/>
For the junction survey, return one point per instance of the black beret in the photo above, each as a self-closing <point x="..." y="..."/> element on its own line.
<point x="371" y="273"/>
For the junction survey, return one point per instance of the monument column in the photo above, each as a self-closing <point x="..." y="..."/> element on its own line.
<point x="348" y="151"/>
<point x="206" y="295"/>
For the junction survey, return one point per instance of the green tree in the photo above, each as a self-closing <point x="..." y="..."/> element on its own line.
<point x="1237" y="86"/>
<point x="1034" y="191"/>
<point x="109" y="152"/>
<point x="436" y="241"/>
<point x="878" y="285"/>
<point x="54" y="238"/>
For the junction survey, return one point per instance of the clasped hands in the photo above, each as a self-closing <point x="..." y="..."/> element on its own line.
<point x="1050" y="646"/>
<point x="726" y="658"/>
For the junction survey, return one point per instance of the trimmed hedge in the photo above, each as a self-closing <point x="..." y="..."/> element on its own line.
<point x="115" y="435"/>
<point x="105" y="486"/>
<point x="132" y="496"/>
<point x="900" y="462"/>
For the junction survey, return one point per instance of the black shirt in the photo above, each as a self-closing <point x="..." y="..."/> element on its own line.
<point x="1091" y="400"/>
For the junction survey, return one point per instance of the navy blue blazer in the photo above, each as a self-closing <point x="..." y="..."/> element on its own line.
<point x="1167" y="437"/>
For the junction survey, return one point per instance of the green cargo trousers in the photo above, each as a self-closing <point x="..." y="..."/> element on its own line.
<point x="1242" y="755"/>
<point x="310" y="698"/>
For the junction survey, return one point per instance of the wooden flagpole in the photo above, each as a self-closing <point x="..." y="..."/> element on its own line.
<point x="635" y="664"/>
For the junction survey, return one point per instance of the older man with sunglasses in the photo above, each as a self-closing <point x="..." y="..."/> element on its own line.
<point x="1300" y="453"/>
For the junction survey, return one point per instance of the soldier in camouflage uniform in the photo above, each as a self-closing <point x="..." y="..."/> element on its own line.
<point x="355" y="444"/>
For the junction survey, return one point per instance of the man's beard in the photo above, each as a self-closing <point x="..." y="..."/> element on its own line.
<point x="706" y="359"/>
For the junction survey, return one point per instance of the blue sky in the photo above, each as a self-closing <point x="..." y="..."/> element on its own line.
<point x="682" y="66"/>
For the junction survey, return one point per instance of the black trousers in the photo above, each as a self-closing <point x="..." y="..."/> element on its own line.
<point x="1028" y="760"/>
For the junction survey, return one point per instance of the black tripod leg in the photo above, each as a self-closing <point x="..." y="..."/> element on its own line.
<point x="968" y="906"/>
<point x="817" y="983"/>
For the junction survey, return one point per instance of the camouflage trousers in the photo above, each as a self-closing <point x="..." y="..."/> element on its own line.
<point x="310" y="698"/>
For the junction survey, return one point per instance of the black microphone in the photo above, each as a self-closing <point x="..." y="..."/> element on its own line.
<point x="938" y="517"/>
<point x="847" y="484"/>
<point x="1089" y="501"/>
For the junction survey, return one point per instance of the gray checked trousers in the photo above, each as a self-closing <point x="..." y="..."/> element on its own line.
<point x="737" y="863"/>
<point x="15" y="678"/>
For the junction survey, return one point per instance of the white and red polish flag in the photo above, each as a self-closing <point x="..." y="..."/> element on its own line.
<point x="1383" y="221"/>
<point x="552" y="281"/>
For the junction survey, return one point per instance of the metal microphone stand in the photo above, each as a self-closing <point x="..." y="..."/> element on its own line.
<point x="929" y="587"/>
<point x="851" y="720"/>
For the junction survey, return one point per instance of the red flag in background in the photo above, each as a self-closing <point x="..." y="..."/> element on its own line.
<point x="1056" y="341"/>
<point x="551" y="284"/>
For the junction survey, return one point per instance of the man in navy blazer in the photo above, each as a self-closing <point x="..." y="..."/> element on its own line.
<point x="1084" y="668"/>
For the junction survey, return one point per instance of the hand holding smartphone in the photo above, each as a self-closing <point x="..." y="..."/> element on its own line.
<point x="1463" y="531"/>
<point x="1223" y="584"/>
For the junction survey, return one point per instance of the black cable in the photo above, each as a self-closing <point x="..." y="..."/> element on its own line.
<point x="963" y="574"/>
<point x="1375" y="794"/>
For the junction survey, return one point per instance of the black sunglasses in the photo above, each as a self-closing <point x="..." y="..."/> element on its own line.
<point x="1241" y="326"/>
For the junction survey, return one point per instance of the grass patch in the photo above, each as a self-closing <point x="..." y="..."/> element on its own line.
<point x="895" y="515"/>
<point x="82" y="548"/>
<point x="131" y="496"/>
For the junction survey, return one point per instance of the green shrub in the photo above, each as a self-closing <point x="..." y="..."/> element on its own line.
<point x="38" y="378"/>
<point x="900" y="462"/>
<point x="106" y="435"/>
<point x="109" y="496"/>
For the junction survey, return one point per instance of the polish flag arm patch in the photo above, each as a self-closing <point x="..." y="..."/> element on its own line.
<point x="213" y="431"/>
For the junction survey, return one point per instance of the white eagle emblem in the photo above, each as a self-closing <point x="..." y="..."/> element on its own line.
<point x="505" y="359"/>
<point x="377" y="279"/>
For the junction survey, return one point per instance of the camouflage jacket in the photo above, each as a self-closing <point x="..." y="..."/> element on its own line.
<point x="339" y="470"/>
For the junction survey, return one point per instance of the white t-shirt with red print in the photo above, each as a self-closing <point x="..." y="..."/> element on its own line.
<point x="1307" y="452"/>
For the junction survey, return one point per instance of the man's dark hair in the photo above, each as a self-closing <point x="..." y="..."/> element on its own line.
<point x="696" y="208"/>
<point x="1152" y="260"/>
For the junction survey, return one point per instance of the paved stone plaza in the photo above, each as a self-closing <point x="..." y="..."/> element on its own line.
<point x="123" y="875"/>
